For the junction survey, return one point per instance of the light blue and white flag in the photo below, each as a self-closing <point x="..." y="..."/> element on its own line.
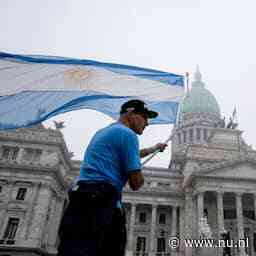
<point x="35" y="88"/>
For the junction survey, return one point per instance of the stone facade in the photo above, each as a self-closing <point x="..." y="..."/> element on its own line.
<point x="211" y="179"/>
<point x="34" y="164"/>
<point x="215" y="177"/>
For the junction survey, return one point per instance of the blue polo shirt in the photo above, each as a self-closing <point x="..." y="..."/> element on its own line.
<point x="112" y="153"/>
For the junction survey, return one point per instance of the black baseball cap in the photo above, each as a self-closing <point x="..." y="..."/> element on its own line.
<point x="137" y="106"/>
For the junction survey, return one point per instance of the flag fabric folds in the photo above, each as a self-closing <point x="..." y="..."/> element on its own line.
<point x="35" y="88"/>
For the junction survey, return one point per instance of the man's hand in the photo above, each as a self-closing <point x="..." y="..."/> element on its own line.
<point x="147" y="151"/>
<point x="160" y="146"/>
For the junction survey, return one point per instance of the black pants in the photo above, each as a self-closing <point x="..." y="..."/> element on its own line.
<point x="92" y="225"/>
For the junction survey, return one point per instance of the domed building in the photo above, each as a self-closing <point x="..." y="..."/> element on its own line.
<point x="199" y="104"/>
<point x="218" y="175"/>
<point x="207" y="191"/>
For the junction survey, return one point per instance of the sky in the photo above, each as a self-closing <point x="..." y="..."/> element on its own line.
<point x="168" y="35"/>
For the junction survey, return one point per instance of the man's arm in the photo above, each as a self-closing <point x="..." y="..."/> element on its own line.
<point x="147" y="151"/>
<point x="135" y="179"/>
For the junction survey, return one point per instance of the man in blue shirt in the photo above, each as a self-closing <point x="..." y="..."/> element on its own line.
<point x="94" y="222"/>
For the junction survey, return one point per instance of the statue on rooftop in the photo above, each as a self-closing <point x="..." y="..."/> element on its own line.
<point x="59" y="125"/>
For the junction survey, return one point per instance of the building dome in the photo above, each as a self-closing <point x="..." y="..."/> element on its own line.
<point x="199" y="100"/>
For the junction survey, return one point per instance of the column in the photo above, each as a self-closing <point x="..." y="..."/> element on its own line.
<point x="11" y="186"/>
<point x="40" y="210"/>
<point x="200" y="205"/>
<point x="182" y="234"/>
<point x="30" y="211"/>
<point x="200" y="211"/>
<point x="252" y="234"/>
<point x="251" y="248"/>
<point x="3" y="211"/>
<point x="240" y="224"/>
<point x="131" y="230"/>
<point x="200" y="224"/>
<point x="174" y="221"/>
<point x="152" y="230"/>
<point x="188" y="230"/>
<point x="174" y="224"/>
<point x="51" y="223"/>
<point x="253" y="253"/>
<point x="3" y="221"/>
<point x="55" y="222"/>
<point x="1" y="152"/>
<point x="220" y="218"/>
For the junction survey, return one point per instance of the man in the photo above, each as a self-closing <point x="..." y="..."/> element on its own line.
<point x="94" y="221"/>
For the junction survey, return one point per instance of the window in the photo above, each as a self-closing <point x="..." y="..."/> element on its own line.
<point x="9" y="152"/>
<point x="161" y="244"/>
<point x="249" y="214"/>
<point x="191" y="135"/>
<point x="142" y="217"/>
<point x="11" y="228"/>
<point x="164" y="185"/>
<point x="184" y="136"/>
<point x="32" y="154"/>
<point x="229" y="214"/>
<point x="21" y="194"/>
<point x="141" y="244"/>
<point x="15" y="153"/>
<point x="6" y="152"/>
<point x="198" y="133"/>
<point x="162" y="218"/>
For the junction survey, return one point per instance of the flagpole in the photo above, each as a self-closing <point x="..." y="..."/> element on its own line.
<point x="156" y="152"/>
<point x="236" y="115"/>
<point x="238" y="134"/>
<point x="171" y="136"/>
<point x="187" y="82"/>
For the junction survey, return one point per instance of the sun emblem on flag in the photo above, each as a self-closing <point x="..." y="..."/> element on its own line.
<point x="76" y="78"/>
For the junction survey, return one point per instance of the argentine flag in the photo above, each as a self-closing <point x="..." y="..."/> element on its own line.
<point x="35" y="88"/>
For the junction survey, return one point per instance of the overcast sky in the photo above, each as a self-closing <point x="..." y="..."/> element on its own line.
<point x="169" y="35"/>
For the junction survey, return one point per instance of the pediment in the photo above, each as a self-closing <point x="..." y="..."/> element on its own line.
<point x="242" y="170"/>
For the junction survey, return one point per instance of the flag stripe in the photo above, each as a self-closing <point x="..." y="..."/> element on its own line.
<point x="162" y="76"/>
<point x="35" y="88"/>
